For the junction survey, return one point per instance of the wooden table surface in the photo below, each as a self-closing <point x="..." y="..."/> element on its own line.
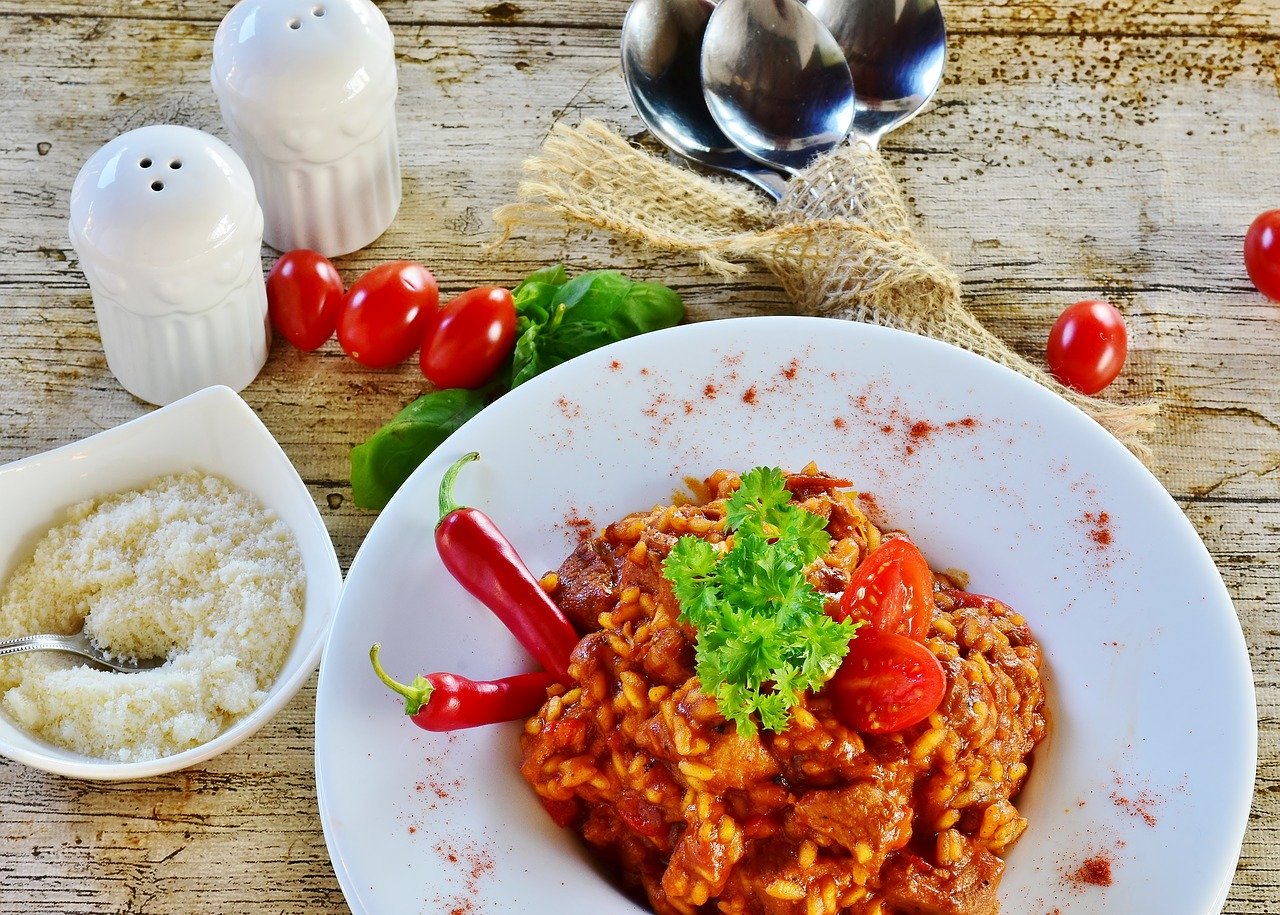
<point x="1080" y="148"/>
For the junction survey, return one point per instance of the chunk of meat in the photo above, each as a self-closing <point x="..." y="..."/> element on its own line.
<point x="704" y="857"/>
<point x="739" y="762"/>
<point x="861" y="817"/>
<point x="826" y="757"/>
<point x="669" y="657"/>
<point x="912" y="886"/>
<point x="828" y="581"/>
<point x="588" y="583"/>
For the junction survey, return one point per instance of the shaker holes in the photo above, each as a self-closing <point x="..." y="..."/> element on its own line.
<point x="144" y="163"/>
<point x="157" y="185"/>
<point x="176" y="164"/>
<point x="317" y="11"/>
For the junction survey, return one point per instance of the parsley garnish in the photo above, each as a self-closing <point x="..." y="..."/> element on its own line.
<point x="763" y="638"/>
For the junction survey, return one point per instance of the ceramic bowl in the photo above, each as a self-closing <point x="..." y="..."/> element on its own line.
<point x="213" y="431"/>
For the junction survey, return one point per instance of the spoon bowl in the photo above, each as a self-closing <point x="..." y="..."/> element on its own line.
<point x="661" y="48"/>
<point x="776" y="81"/>
<point x="896" y="50"/>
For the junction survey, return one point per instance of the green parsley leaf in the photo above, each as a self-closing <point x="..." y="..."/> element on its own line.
<point x="762" y="498"/>
<point x="763" y="638"/>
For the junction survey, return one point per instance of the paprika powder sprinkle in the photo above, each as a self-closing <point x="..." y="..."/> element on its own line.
<point x="1095" y="871"/>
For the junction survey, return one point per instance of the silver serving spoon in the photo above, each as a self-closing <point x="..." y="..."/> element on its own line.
<point x="776" y="81"/>
<point x="661" y="49"/>
<point x="896" y="50"/>
<point x="78" y="644"/>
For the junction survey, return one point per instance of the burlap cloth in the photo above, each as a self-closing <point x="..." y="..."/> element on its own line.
<point x="840" y="241"/>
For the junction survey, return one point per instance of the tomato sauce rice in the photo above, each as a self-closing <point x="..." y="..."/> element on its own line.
<point x="698" y="818"/>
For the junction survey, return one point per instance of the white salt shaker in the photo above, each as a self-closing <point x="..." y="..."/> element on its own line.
<point x="307" y="90"/>
<point x="168" y="231"/>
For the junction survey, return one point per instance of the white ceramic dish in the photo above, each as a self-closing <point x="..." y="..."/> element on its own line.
<point x="213" y="431"/>
<point x="1151" y="757"/>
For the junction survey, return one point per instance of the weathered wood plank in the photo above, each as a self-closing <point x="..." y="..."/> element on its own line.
<point x="1076" y="149"/>
<point x="1159" y="18"/>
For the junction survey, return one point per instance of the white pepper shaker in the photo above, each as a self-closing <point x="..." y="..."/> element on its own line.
<point x="307" y="90"/>
<point x="168" y="232"/>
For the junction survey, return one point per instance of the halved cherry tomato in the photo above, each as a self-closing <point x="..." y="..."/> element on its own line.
<point x="386" y="312"/>
<point x="887" y="682"/>
<point x="470" y="338"/>
<point x="1087" y="346"/>
<point x="892" y="589"/>
<point x="304" y="298"/>
<point x="1262" y="254"/>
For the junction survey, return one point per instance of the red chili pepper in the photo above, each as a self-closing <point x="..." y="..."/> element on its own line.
<point x="487" y="565"/>
<point x="448" y="702"/>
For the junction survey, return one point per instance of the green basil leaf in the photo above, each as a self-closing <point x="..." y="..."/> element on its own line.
<point x="629" y="307"/>
<point x="535" y="298"/>
<point x="646" y="307"/>
<point x="593" y="296"/>
<point x="526" y="361"/>
<point x="383" y="462"/>
<point x="547" y="346"/>
<point x="590" y="311"/>
<point x="536" y="303"/>
<point x="563" y="343"/>
<point x="554" y="275"/>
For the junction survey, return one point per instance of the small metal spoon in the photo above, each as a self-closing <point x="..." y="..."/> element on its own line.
<point x="661" y="48"/>
<point x="78" y="644"/>
<point x="776" y="81"/>
<point x="896" y="50"/>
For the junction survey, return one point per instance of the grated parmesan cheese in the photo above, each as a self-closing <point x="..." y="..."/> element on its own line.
<point x="189" y="568"/>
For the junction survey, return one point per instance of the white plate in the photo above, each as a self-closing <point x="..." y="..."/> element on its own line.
<point x="1151" y="757"/>
<point x="213" y="431"/>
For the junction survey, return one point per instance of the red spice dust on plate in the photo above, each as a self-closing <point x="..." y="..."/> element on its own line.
<point x="577" y="522"/>
<point x="1137" y="802"/>
<point x="1094" y="871"/>
<point x="473" y="862"/>
<point x="1099" y="524"/>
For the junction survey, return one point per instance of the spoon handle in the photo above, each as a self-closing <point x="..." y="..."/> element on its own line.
<point x="41" y="642"/>
<point x="77" y="644"/>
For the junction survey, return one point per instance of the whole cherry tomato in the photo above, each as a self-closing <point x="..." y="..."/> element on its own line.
<point x="892" y="589"/>
<point x="1087" y="346"/>
<point x="386" y="312"/>
<point x="304" y="298"/>
<point x="470" y="338"/>
<point x="1262" y="254"/>
<point x="887" y="682"/>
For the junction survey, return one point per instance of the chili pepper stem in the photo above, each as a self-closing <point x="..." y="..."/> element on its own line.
<point x="416" y="694"/>
<point x="447" y="502"/>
